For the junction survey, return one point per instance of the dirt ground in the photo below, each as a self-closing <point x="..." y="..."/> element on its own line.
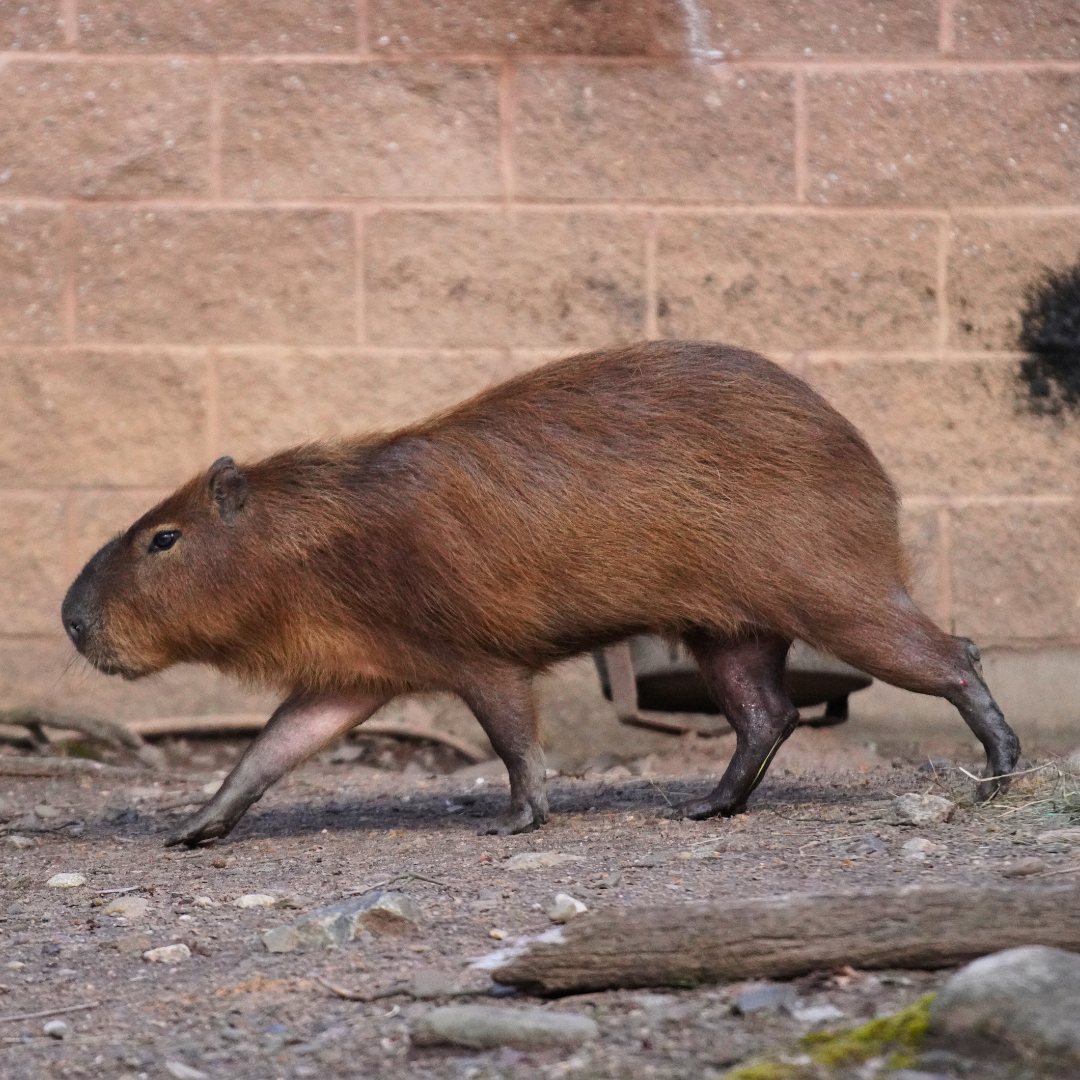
<point x="234" y="1010"/>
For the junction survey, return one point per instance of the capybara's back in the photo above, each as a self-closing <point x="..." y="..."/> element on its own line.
<point x="689" y="489"/>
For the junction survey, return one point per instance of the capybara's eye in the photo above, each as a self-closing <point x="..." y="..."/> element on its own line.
<point x="164" y="540"/>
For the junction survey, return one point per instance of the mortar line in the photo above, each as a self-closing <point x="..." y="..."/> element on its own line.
<point x="944" y="240"/>
<point x="68" y="258"/>
<point x="69" y="14"/>
<point x="213" y="406"/>
<point x="801" y="136"/>
<point x="216" y="126"/>
<point x="360" y="284"/>
<point x="652" y="321"/>
<point x="946" y="27"/>
<point x="507" y="119"/>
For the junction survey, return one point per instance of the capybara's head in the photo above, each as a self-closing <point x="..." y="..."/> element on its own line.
<point x="179" y="585"/>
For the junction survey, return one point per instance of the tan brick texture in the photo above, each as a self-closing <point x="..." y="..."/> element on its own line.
<point x="226" y="227"/>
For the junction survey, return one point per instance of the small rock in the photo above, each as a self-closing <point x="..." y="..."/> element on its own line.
<point x="768" y="997"/>
<point x="56" y="1029"/>
<point x="565" y="908"/>
<point x="204" y="901"/>
<point x="617" y="772"/>
<point x="870" y="845"/>
<point x="497" y="934"/>
<point x="609" y="880"/>
<point x="1020" y="1000"/>
<point x="131" y="907"/>
<point x="212" y="787"/>
<point x="817" y="1014"/>
<point x="330" y="927"/>
<point x="131" y="943"/>
<point x="1054" y="836"/>
<point x="538" y="860"/>
<point x="485" y="1027"/>
<point x="184" y="1072"/>
<point x="1024" y="868"/>
<point x="168" y="954"/>
<point x="918" y="847"/>
<point x="20" y="843"/>
<point x="46" y="812"/>
<point x="913" y="809"/>
<point x="255" y="899"/>
<point x="65" y="881"/>
<point x="428" y="983"/>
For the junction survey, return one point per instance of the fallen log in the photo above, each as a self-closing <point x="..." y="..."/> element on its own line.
<point x="211" y="724"/>
<point x="120" y="736"/>
<point x="66" y="766"/>
<point x="786" y="936"/>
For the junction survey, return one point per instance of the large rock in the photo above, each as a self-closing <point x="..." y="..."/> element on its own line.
<point x="1024" y="1002"/>
<point x="331" y="927"/>
<point x="483" y="1027"/>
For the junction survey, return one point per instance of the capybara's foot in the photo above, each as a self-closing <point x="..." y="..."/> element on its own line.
<point x="199" y="828"/>
<point x="528" y="818"/>
<point x="985" y="790"/>
<point x="699" y="809"/>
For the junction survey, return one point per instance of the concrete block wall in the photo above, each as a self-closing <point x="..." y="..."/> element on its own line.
<point x="226" y="227"/>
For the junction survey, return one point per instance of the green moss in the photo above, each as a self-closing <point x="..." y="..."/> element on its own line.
<point x="763" y="1070"/>
<point x="901" y="1031"/>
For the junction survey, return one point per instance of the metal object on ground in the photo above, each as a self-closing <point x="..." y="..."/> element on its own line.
<point x="656" y="684"/>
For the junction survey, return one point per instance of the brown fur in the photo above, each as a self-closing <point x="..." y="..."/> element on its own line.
<point x="688" y="489"/>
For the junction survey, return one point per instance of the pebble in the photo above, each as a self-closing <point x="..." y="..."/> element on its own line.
<point x="429" y="983"/>
<point x="768" y="997"/>
<point x="485" y="1027"/>
<point x="254" y="899"/>
<point x="204" y="901"/>
<point x="65" y="881"/>
<point x="184" y="1072"/>
<point x="131" y="907"/>
<point x="20" y="843"/>
<point x="538" y="860"/>
<point x="565" y="908"/>
<point x="1059" y="836"/>
<point x="914" y="809"/>
<point x="497" y="934"/>
<point x="1024" y="868"/>
<point x="168" y="954"/>
<point x="817" y="1014"/>
<point x="56" y="1029"/>
<point x="1020" y="1000"/>
<point x="918" y="847"/>
<point x="46" y="812"/>
<point x="330" y="927"/>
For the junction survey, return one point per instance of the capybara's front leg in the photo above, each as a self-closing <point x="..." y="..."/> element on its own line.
<point x="502" y="702"/>
<point x="300" y="727"/>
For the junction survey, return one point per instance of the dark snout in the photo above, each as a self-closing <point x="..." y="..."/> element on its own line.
<point x="81" y="608"/>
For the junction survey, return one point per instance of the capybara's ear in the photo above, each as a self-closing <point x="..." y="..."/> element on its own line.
<point x="228" y="488"/>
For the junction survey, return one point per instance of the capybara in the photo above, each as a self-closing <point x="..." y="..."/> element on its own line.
<point x="687" y="489"/>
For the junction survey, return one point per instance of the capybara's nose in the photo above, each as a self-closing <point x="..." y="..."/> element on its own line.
<point x="76" y="619"/>
<point x="76" y="630"/>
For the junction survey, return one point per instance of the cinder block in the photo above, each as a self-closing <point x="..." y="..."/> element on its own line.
<point x="1017" y="29"/>
<point x="31" y="268"/>
<point x="37" y="26"/>
<point x="778" y="282"/>
<point x="921" y="534"/>
<point x="1014" y="572"/>
<point x="80" y="417"/>
<point x="32" y="577"/>
<point x="493" y="278"/>
<point x="239" y="26"/>
<point x="275" y="399"/>
<point x="230" y="276"/>
<point x="943" y="137"/>
<point x="325" y="130"/>
<point x="46" y="671"/>
<point x="954" y="427"/>
<point x="736" y="29"/>
<point x="656" y="132"/>
<point x="993" y="262"/>
<point x="97" y="130"/>
<point x="594" y="28"/>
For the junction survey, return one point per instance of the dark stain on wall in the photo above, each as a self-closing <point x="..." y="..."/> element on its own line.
<point x="1050" y="335"/>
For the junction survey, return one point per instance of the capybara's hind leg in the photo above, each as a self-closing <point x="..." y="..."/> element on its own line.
<point x="746" y="679"/>
<point x="901" y="646"/>
<point x="503" y="703"/>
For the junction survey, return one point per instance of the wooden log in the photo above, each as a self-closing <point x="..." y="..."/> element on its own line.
<point x="118" y="735"/>
<point x="785" y="936"/>
<point x="67" y="766"/>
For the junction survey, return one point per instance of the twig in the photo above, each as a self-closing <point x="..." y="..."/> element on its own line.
<point x="1054" y="873"/>
<point x="64" y="766"/>
<point x="828" y="840"/>
<point x="390" y="881"/>
<point x="48" y="1012"/>
<point x="117" y="892"/>
<point x="661" y="790"/>
<point x="1005" y="776"/>
<point x="359" y="995"/>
